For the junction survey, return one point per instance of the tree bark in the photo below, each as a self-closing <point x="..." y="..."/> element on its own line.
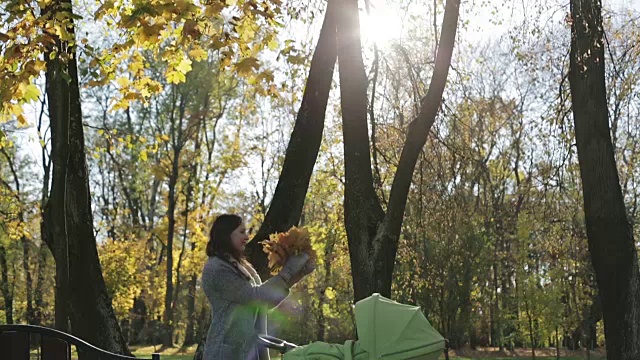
<point x="189" y="337"/>
<point x="302" y="150"/>
<point x="7" y="294"/>
<point x="177" y="146"/>
<point x="191" y="287"/>
<point x="373" y="235"/>
<point x="609" y="233"/>
<point x="168" y="299"/>
<point x="38" y="296"/>
<point x="362" y="210"/>
<point x="81" y="293"/>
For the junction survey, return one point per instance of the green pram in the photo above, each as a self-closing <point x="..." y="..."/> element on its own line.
<point x="386" y="330"/>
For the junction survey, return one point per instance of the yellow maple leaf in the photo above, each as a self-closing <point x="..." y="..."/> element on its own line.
<point x="175" y="77"/>
<point x="247" y="66"/>
<point x="123" y="82"/>
<point x="198" y="54"/>
<point x="184" y="66"/>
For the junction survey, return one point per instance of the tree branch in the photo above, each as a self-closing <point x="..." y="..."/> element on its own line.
<point x="419" y="128"/>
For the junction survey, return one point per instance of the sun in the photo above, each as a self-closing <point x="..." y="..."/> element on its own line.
<point x="381" y="25"/>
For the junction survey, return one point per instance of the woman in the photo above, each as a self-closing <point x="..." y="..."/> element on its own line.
<point x="238" y="298"/>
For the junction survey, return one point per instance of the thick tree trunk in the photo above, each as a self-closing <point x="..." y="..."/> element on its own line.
<point x="362" y="210"/>
<point x="81" y="293"/>
<point x="373" y="235"/>
<point x="302" y="150"/>
<point x="610" y="236"/>
<point x="59" y="94"/>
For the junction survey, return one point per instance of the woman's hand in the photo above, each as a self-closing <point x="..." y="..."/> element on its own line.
<point x="307" y="269"/>
<point x="293" y="266"/>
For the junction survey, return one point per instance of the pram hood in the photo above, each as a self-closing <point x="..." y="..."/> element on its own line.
<point x="386" y="330"/>
<point x="390" y="330"/>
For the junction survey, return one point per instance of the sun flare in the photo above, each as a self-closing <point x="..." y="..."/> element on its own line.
<point x="381" y="25"/>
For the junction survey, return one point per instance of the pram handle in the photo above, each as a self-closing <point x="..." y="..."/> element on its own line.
<point x="274" y="343"/>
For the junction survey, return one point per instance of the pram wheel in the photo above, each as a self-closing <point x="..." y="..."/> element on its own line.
<point x="276" y="344"/>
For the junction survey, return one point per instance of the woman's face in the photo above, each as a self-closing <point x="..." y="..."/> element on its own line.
<point x="239" y="237"/>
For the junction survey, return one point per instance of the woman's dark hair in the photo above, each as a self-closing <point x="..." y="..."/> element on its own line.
<point x="220" y="237"/>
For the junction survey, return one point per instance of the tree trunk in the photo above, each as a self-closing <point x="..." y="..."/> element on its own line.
<point x="81" y="293"/>
<point x="168" y="299"/>
<point x="7" y="294"/>
<point x="557" y="344"/>
<point x="191" y="292"/>
<point x="609" y="233"/>
<point x="372" y="234"/>
<point x="26" y="243"/>
<point x="189" y="337"/>
<point x="532" y="338"/>
<point x="302" y="150"/>
<point x="362" y="210"/>
<point x="38" y="298"/>
<point x="42" y="249"/>
<point x="177" y="145"/>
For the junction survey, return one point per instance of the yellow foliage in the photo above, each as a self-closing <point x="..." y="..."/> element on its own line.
<point x="122" y="262"/>
<point x="282" y="245"/>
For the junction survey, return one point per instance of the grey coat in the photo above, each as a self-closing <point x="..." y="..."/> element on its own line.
<point x="238" y="310"/>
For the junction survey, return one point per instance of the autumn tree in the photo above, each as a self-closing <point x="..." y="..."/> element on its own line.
<point x="611" y="241"/>
<point x="373" y="233"/>
<point x="81" y="294"/>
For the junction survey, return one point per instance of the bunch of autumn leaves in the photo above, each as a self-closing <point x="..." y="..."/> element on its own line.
<point x="282" y="245"/>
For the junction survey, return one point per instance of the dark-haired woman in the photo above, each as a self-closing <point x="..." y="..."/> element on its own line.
<point x="238" y="298"/>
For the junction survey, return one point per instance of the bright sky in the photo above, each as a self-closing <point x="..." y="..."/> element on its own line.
<point x="387" y="21"/>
